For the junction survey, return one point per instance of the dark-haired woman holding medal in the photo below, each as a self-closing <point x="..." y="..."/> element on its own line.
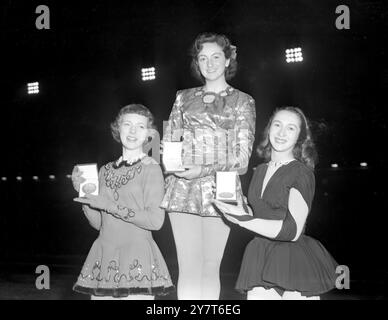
<point x="217" y="123"/>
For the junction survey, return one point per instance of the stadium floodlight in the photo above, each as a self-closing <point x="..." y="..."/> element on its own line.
<point x="33" y="88"/>
<point x="294" y="55"/>
<point x="148" y="74"/>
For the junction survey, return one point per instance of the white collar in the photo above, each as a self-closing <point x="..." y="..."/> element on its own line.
<point x="132" y="160"/>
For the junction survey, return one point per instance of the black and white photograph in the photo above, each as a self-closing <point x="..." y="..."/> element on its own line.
<point x="181" y="152"/>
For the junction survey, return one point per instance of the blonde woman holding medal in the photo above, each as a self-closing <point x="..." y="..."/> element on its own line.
<point x="281" y="262"/>
<point x="217" y="123"/>
<point x="124" y="261"/>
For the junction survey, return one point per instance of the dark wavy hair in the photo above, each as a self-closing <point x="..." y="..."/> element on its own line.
<point x="131" y="108"/>
<point x="304" y="149"/>
<point x="226" y="46"/>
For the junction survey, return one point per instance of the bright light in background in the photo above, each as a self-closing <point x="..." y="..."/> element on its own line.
<point x="294" y="55"/>
<point x="53" y="177"/>
<point x="33" y="88"/>
<point x="148" y="74"/>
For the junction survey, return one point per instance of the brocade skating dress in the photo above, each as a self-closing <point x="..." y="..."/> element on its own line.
<point x="218" y="132"/>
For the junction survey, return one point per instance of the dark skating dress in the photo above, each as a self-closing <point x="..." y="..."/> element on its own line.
<point x="303" y="265"/>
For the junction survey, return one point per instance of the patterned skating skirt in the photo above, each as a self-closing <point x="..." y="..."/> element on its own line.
<point x="137" y="267"/>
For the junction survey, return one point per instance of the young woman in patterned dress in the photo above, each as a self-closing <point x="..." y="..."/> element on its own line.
<point x="217" y="123"/>
<point x="124" y="261"/>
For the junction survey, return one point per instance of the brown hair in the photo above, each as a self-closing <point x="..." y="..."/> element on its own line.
<point x="304" y="149"/>
<point x="226" y="46"/>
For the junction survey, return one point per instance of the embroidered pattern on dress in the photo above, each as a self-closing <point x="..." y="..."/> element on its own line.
<point x="126" y="216"/>
<point x="135" y="272"/>
<point x="115" y="181"/>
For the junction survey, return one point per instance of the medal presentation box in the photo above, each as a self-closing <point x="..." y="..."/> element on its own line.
<point x="172" y="157"/>
<point x="90" y="174"/>
<point x="226" y="186"/>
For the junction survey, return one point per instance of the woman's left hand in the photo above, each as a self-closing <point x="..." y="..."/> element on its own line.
<point x="231" y="219"/>
<point x="191" y="173"/>
<point x="230" y="208"/>
<point x="96" y="202"/>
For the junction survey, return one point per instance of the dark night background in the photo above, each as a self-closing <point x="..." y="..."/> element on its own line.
<point x="88" y="66"/>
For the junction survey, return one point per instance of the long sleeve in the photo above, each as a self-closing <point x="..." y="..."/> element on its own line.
<point x="174" y="129"/>
<point x="292" y="214"/>
<point x="240" y="150"/>
<point x="263" y="211"/>
<point x="151" y="217"/>
<point x="290" y="228"/>
<point x="276" y="229"/>
<point x="93" y="216"/>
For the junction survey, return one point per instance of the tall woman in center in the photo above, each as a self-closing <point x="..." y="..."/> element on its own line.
<point x="217" y="123"/>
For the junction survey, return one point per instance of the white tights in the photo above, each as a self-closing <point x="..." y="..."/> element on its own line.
<point x="260" y="293"/>
<point x="200" y="244"/>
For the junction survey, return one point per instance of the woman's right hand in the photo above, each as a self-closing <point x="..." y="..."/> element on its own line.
<point x="76" y="178"/>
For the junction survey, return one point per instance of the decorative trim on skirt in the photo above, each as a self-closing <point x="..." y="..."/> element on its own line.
<point x="124" y="292"/>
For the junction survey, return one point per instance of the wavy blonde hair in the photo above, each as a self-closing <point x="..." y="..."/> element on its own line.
<point x="131" y="108"/>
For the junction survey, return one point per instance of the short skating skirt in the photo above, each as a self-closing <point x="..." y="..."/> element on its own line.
<point x="304" y="266"/>
<point x="193" y="196"/>
<point x="137" y="267"/>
